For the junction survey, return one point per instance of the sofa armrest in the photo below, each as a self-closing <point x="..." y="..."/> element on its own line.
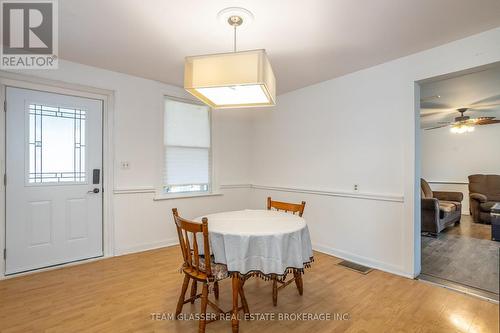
<point x="448" y="196"/>
<point x="430" y="204"/>
<point x="479" y="197"/>
<point x="430" y="215"/>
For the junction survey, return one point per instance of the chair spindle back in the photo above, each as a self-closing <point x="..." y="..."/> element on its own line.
<point x="286" y="207"/>
<point x="191" y="252"/>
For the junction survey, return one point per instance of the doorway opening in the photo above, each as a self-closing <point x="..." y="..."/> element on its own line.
<point x="460" y="180"/>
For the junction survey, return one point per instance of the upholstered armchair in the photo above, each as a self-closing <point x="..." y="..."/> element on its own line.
<point x="439" y="209"/>
<point x="484" y="192"/>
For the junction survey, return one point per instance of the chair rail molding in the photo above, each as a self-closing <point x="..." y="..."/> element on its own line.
<point x="453" y="182"/>
<point x="134" y="189"/>
<point x="322" y="192"/>
<point x="231" y="186"/>
<point x="335" y="193"/>
<point x="152" y="189"/>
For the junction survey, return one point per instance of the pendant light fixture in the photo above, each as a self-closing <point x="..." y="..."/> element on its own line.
<point x="231" y="80"/>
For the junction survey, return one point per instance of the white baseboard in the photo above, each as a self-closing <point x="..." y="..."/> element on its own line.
<point x="147" y="246"/>
<point x="389" y="268"/>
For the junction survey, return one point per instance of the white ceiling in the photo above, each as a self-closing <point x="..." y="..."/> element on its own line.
<point x="307" y="41"/>
<point x="479" y="88"/>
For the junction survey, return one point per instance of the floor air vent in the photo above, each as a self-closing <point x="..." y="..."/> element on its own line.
<point x="355" y="267"/>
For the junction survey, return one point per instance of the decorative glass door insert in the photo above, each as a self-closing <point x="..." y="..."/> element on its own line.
<point x="56" y="145"/>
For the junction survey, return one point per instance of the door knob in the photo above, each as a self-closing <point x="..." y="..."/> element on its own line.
<point x="96" y="190"/>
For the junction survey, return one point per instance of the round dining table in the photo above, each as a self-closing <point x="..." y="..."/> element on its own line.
<point x="264" y="243"/>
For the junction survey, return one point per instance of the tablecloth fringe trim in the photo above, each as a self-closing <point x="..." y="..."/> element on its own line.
<point x="261" y="275"/>
<point x="272" y="276"/>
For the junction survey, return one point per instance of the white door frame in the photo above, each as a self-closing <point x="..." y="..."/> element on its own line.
<point x="417" y="155"/>
<point x="59" y="87"/>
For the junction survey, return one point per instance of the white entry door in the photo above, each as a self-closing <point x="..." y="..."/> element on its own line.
<point x="53" y="179"/>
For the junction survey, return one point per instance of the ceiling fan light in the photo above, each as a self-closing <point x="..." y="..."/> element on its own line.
<point x="460" y="129"/>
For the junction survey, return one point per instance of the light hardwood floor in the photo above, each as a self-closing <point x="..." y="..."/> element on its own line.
<point x="119" y="294"/>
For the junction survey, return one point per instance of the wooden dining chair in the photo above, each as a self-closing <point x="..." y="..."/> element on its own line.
<point x="297" y="276"/>
<point x="200" y="268"/>
<point x="286" y="207"/>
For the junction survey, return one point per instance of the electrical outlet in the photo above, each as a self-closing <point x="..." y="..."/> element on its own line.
<point x="124" y="165"/>
<point x="356" y="187"/>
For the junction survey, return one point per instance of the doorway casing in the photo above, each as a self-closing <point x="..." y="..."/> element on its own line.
<point x="418" y="155"/>
<point x="46" y="85"/>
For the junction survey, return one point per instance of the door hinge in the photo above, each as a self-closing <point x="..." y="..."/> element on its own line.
<point x="5" y="253"/>
<point x="4" y="179"/>
<point x="4" y="105"/>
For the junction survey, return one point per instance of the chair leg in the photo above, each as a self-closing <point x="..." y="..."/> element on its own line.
<point x="243" y="299"/>
<point x="216" y="289"/>
<point x="298" y="282"/>
<point x="194" y="289"/>
<point x="234" y="320"/>
<point x="275" y="292"/>
<point x="203" y="311"/>
<point x="180" y="302"/>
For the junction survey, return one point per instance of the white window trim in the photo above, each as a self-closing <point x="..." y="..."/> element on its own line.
<point x="212" y="189"/>
<point x="170" y="196"/>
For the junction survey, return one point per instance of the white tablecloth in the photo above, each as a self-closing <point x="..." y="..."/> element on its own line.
<point x="267" y="242"/>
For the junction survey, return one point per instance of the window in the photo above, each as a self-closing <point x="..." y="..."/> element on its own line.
<point x="187" y="147"/>
<point x="56" y="145"/>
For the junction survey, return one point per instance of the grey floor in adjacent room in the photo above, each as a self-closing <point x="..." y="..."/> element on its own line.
<point x="459" y="257"/>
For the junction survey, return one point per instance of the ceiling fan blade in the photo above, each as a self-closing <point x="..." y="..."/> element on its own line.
<point x="435" y="127"/>
<point x="479" y="119"/>
<point x="487" y="121"/>
<point x="481" y="110"/>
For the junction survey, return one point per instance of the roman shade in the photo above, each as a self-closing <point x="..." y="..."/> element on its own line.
<point x="187" y="144"/>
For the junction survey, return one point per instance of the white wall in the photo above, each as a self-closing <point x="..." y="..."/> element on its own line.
<point x="358" y="129"/>
<point x="141" y="223"/>
<point x="448" y="159"/>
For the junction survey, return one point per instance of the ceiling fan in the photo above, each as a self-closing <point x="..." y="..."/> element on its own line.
<point x="462" y="123"/>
